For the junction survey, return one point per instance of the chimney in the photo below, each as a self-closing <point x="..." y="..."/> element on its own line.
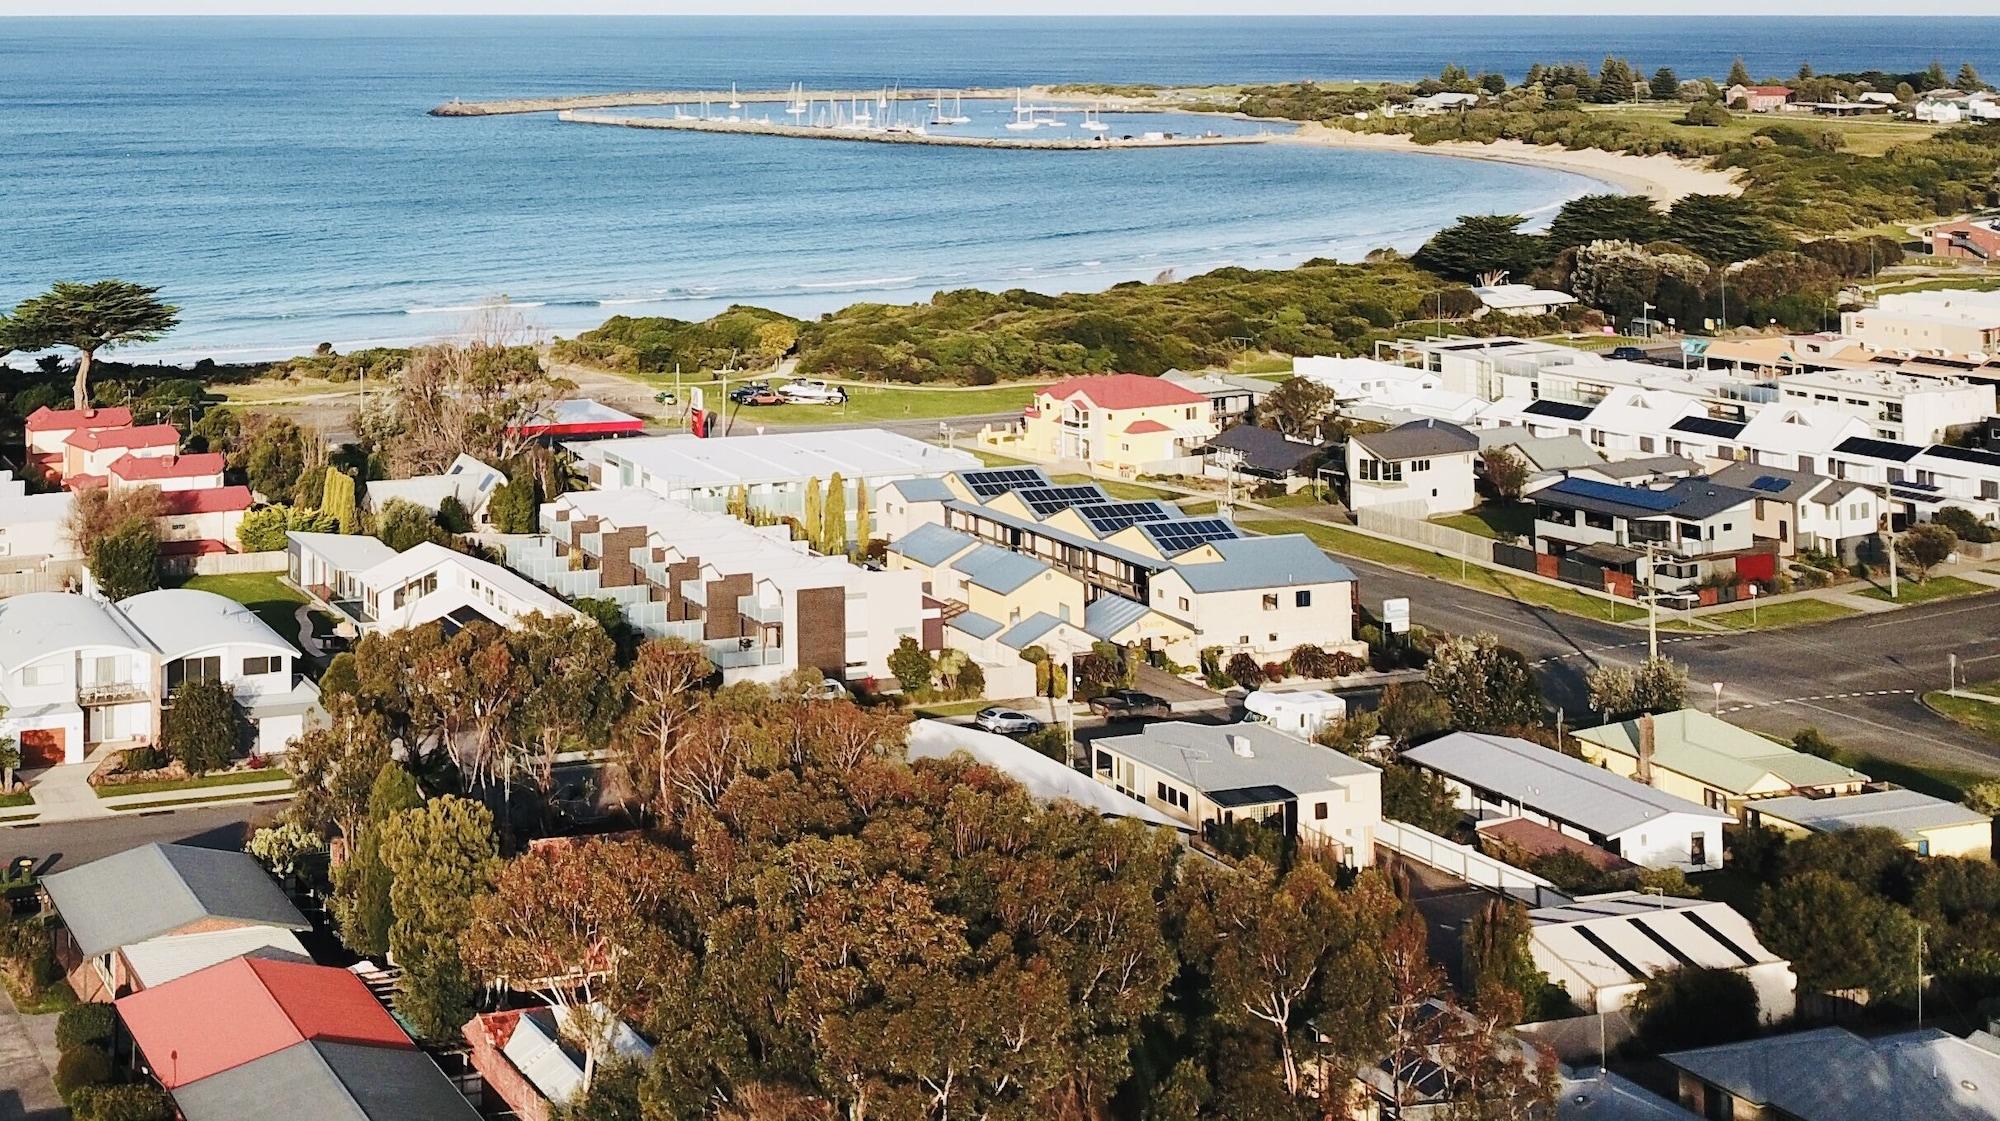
<point x="1241" y="746"/>
<point x="1645" y="772"/>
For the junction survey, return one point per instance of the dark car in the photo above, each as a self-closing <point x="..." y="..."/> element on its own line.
<point x="1128" y="704"/>
<point x="1629" y="354"/>
<point x="742" y="393"/>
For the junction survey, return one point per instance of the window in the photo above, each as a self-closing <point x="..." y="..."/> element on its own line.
<point x="255" y="666"/>
<point x="48" y="673"/>
<point x="1319" y="811"/>
<point x="183" y="670"/>
<point x="1270" y="601"/>
<point x="1302" y="599"/>
<point x="1419" y="465"/>
<point x="1184" y="603"/>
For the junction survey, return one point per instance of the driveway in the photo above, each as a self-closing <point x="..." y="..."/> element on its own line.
<point x="26" y="1048"/>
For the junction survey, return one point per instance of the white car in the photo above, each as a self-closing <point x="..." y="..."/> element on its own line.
<point x="827" y="690"/>
<point x="812" y="393"/>
<point x="1006" y="721"/>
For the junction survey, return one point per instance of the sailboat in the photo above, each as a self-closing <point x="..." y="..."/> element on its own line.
<point x="1090" y="122"/>
<point x="957" y="116"/>
<point x="1024" y="118"/>
<point x="797" y="105"/>
<point x="733" y="103"/>
<point x="859" y="115"/>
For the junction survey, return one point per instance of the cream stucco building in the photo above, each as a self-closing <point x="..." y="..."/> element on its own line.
<point x="1123" y="424"/>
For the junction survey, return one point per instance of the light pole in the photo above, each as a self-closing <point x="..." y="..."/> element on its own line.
<point x="1718" y="698"/>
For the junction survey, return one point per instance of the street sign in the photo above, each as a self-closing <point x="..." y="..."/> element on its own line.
<point x="1396" y="616"/>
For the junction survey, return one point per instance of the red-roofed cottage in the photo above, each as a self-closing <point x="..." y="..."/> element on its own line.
<point x="47" y="429"/>
<point x="222" y="1017"/>
<point x="1122" y="423"/>
<point x="1758" y="99"/>
<point x="202" y="521"/>
<point x="93" y="451"/>
<point x="202" y="471"/>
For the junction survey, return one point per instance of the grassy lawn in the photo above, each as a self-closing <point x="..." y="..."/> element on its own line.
<point x="1974" y="283"/>
<point x="1787" y="614"/>
<point x="993" y="459"/>
<point x="950" y="708"/>
<point x="1345" y="542"/>
<point x="1980" y="716"/>
<point x="1197" y="506"/>
<point x="1262" y="364"/>
<point x="1936" y="588"/>
<point x="1866" y="136"/>
<point x="865" y="403"/>
<point x="1600" y="342"/>
<point x="1948" y="783"/>
<point x="265" y="593"/>
<point x="1494" y="519"/>
<point x="1303" y="500"/>
<point x="222" y="778"/>
<point x="1117" y="488"/>
<point x="13" y="801"/>
<point x="266" y="391"/>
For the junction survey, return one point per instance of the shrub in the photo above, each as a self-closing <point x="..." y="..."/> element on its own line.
<point x="1344" y="664"/>
<point x="1959" y="520"/>
<point x="83" y="1025"/>
<point x="1274" y="672"/>
<point x="146" y="758"/>
<point x="79" y="1067"/>
<point x="121" y="1103"/>
<point x="204" y="727"/>
<point x="1311" y="661"/>
<point x="1052" y="741"/>
<point x="1244" y="670"/>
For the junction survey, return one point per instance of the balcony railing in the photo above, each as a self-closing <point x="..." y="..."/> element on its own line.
<point x="112" y="693"/>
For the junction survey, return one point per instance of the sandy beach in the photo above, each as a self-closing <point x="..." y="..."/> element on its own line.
<point x="1660" y="178"/>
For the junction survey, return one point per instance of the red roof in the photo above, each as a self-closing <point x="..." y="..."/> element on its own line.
<point x="208" y="500"/>
<point x="46" y="419"/>
<point x="144" y="436"/>
<point x="83" y="481"/>
<point x="1141" y="427"/>
<point x="1535" y="839"/>
<point x="1768" y="91"/>
<point x="246" y="1008"/>
<point x="199" y="547"/>
<point x="1125" y="391"/>
<point x="144" y="468"/>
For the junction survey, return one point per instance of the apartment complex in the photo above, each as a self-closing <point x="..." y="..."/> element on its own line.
<point x="1958" y="323"/>
<point x="372" y="587"/>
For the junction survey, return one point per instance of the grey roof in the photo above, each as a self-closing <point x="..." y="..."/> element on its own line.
<point x="1107" y="615"/>
<point x="1266" y="451"/>
<point x="932" y="544"/>
<point x="1831" y="1074"/>
<point x="1905" y="811"/>
<point x="1603" y="1095"/>
<point x="922" y="490"/>
<point x="1691" y="499"/>
<point x="1781" y="483"/>
<point x="321" y="1081"/>
<point x="1201" y="756"/>
<point x="1550" y="782"/>
<point x="975" y="624"/>
<point x="157" y="889"/>
<point x="1542" y="453"/>
<point x="999" y="570"/>
<point x="1028" y="631"/>
<point x="38" y="624"/>
<point x="1645" y="467"/>
<point x="1838" y="492"/>
<point x="1417" y="439"/>
<point x="183" y="620"/>
<point x="1264" y="562"/>
<point x="1054" y="533"/>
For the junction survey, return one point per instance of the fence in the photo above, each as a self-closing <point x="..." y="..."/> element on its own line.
<point x="230" y="564"/>
<point x="1406" y="521"/>
<point x="1468" y="864"/>
<point x="55" y="576"/>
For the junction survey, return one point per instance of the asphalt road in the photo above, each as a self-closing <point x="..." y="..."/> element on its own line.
<point x="68" y="844"/>
<point x="1857" y="680"/>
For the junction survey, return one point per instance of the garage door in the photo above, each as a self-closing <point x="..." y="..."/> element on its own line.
<point x="42" y="747"/>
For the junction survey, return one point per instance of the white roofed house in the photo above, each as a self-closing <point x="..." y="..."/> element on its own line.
<point x="1602" y="948"/>
<point x="31" y="525"/>
<point x="1895" y="406"/>
<point x="1520" y="299"/>
<point x="74" y="672"/>
<point x="373" y="587"/>
<point x="1423" y="466"/>
<point x="467" y="479"/>
<point x="1629" y="423"/>
<point x="1788" y="434"/>
<point x="201" y="636"/>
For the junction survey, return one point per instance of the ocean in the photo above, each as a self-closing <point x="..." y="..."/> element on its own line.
<point x="279" y="180"/>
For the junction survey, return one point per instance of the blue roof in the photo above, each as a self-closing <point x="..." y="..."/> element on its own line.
<point x="932" y="544"/>
<point x="1024" y="633"/>
<point x="1264" y="562"/>
<point x="975" y="624"/>
<point x="999" y="570"/>
<point x="1107" y="615"/>
<point x="923" y="490"/>
<point x="1657" y="501"/>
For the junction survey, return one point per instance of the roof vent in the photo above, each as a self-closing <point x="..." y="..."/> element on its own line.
<point x="1240" y="745"/>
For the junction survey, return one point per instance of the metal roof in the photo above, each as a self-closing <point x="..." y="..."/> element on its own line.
<point x="347" y="552"/>
<point x="999" y="570"/>
<point x="1831" y="1074"/>
<point x="1201" y="755"/>
<point x="1770" y="482"/>
<point x="322" y="1081"/>
<point x="156" y="889"/>
<point x="1711" y="750"/>
<point x="163" y="959"/>
<point x="38" y="624"/>
<point x="1030" y="630"/>
<point x="974" y="624"/>
<point x="1621" y="938"/>
<point x="1551" y="783"/>
<point x="1694" y="499"/>
<point x="1107" y="615"/>
<point x="1283" y="561"/>
<point x="181" y="621"/>
<point x="1266" y="451"/>
<point x="1417" y="439"/>
<point x="932" y="544"/>
<point x="1045" y="778"/>
<point x="923" y="490"/>
<point x="1905" y="811"/>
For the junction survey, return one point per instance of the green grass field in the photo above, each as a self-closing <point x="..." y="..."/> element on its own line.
<point x="1494" y="519"/>
<point x="1791" y="613"/>
<point x="202" y="782"/>
<point x="1866" y="136"/>
<point x="865" y="403"/>
<point x="1935" y="588"/>
<point x="1980" y="716"/>
<point x="265" y="593"/>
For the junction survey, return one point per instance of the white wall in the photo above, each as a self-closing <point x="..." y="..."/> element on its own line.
<point x="1242" y="620"/>
<point x="1444" y="486"/>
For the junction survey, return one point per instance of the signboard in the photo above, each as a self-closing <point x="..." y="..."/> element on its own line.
<point x="1396" y="616"/>
<point x="697" y="413"/>
<point x="1694" y="348"/>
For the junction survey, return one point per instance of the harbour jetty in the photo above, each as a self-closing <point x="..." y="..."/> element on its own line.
<point x="892" y="136"/>
<point x="515" y="105"/>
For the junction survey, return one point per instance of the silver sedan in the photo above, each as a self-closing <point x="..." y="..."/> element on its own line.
<point x="1006" y="721"/>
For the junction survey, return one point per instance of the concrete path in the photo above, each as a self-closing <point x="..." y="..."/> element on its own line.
<point x="308" y="641"/>
<point x="65" y="794"/>
<point x="27" y="1043"/>
<point x="1854" y="600"/>
<point x="1980" y="576"/>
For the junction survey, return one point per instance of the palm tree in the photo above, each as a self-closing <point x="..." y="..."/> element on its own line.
<point x="89" y="317"/>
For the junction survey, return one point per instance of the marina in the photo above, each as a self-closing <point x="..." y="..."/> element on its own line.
<point x="859" y="129"/>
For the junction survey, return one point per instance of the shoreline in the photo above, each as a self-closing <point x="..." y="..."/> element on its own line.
<point x="1664" y="179"/>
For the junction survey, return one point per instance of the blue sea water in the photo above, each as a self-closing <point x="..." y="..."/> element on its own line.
<point x="278" y="177"/>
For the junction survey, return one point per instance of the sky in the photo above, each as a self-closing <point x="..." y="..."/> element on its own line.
<point x="1000" y="7"/>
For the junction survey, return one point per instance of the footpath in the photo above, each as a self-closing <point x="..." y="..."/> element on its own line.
<point x="65" y="794"/>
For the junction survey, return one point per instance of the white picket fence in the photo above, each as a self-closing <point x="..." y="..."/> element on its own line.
<point x="1468" y="864"/>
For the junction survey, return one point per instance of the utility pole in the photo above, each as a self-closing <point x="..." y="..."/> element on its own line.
<point x="1889" y="535"/>
<point x="1652" y="609"/>
<point x="1920" y="974"/>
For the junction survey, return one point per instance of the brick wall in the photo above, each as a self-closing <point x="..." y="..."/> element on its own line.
<point x="822" y="630"/>
<point x="722" y="620"/>
<point x="619" y="571"/>
<point x="487" y="1034"/>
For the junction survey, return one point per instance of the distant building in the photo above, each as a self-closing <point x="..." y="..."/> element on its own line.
<point x="1233" y="396"/>
<point x="1708" y="760"/>
<point x="1603" y="948"/>
<point x="468" y="480"/>
<point x="1908" y="407"/>
<point x="48" y="431"/>
<point x="1949" y="323"/>
<point x="1265" y="453"/>
<point x="1831" y="1074"/>
<point x="31" y="525"/>
<point x="1521" y="299"/>
<point x="1124" y="424"/>
<point x="1968" y="239"/>
<point x="1758" y="99"/>
<point x="1696" y="528"/>
<point x="579" y="418"/>
<point x="1930" y="826"/>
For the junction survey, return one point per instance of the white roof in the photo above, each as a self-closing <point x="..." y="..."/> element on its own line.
<point x="409" y="565"/>
<point x="348" y="552"/>
<point x="38" y="624"/>
<point x="1614" y="940"/>
<point x="537" y="1050"/>
<point x="1043" y="777"/>
<point x="162" y="959"/>
<point x="693" y="462"/>
<point x="1907" y="812"/>
<point x="181" y="621"/>
<point x="1355" y="376"/>
<point x="1266" y="702"/>
<point x="1507" y="297"/>
<point x="1784" y="428"/>
<point x="467" y="479"/>
<point x="18" y="507"/>
<point x="1641" y="411"/>
<point x="1554" y="784"/>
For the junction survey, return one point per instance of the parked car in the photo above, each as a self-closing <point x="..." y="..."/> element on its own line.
<point x="1006" y="721"/>
<point x="742" y="393"/>
<point x="763" y="397"/>
<point x="813" y="393"/>
<point x="1629" y="354"/>
<point x="1128" y="704"/>
<point x="826" y="690"/>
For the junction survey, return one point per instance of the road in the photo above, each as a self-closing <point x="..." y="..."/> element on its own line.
<point x="71" y="843"/>
<point x="1857" y="680"/>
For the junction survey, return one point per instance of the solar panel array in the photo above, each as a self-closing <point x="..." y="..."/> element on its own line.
<point x="998" y="480"/>
<point x="1770" y="484"/>
<point x="1110" y="517"/>
<point x="1176" y="537"/>
<point x="1966" y="455"/>
<point x="1045" y="501"/>
<point x="1611" y="492"/>
<point x="1879" y="449"/>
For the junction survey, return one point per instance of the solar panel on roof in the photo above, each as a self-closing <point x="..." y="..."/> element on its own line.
<point x="1611" y="492"/>
<point x="1709" y="426"/>
<point x="1770" y="483"/>
<point x="1966" y="455"/>
<point x="998" y="480"/>
<point x="1110" y="517"/>
<point x="1045" y="501"/>
<point x="1179" y="536"/>
<point x="1562" y="409"/>
<point x="1880" y="449"/>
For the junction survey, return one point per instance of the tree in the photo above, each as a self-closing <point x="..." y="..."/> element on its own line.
<point x="1479" y="244"/>
<point x="334" y="766"/>
<point x="1684" y="1008"/>
<point x="121" y="1102"/>
<point x="1837" y="937"/>
<point x="95" y="513"/>
<point x="1968" y="80"/>
<point x="1656" y="685"/>
<point x="126" y="562"/>
<point x="1924" y="547"/>
<point x="511" y="508"/>
<point x="10" y="756"/>
<point x="1592" y="218"/>
<point x="361" y="901"/>
<point x="864" y="525"/>
<point x="1666" y="85"/>
<point x="1705" y="114"/>
<point x="477" y="396"/>
<point x="1723" y="227"/>
<point x="442" y="858"/>
<point x="276" y="458"/>
<point x="403" y="525"/>
<point x="1984" y="797"/>
<point x="1412" y="711"/>
<point x="1934" y="78"/>
<point x="203" y="728"/>
<point x="912" y="666"/>
<point x="833" y="518"/>
<point x="1487" y="685"/>
<point x="264" y="529"/>
<point x="1739" y="74"/>
<point x="452" y="516"/>
<point x="1418" y="797"/>
<point x="809" y="519"/>
<point x="283" y="847"/>
<point x="1297" y="407"/>
<point x="88" y="318"/>
<point x="337" y="500"/>
<point x="662" y="691"/>
<point x="1505" y="472"/>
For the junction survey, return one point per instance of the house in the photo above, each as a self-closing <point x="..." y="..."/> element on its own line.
<point x="759" y="603"/>
<point x="1520" y="299"/>
<point x="1788" y="434"/>
<point x="1121" y="424"/>
<point x="1918" y="409"/>
<point x="1708" y="760"/>
<point x="1968" y="239"/>
<point x="1232" y="397"/>
<point x="1505" y="777"/>
<point x="1602" y="948"/>
<point x="241" y="1010"/>
<point x="1604" y="1095"/>
<point x="1757" y="99"/>
<point x="1388" y="393"/>
<point x="201" y="471"/>
<point x="1671" y="538"/>
<point x="156" y="895"/>
<point x="31" y="525"/>
<point x="1920" y="481"/>
<point x="1206" y="775"/>
<point x="529" y="1062"/>
<point x="1931" y="826"/>
<point x="371" y="587"/>
<point x="1950" y="322"/>
<point x="151" y="964"/>
<point x="466" y="480"/>
<point x="1832" y="1074"/>
<point x="77" y="672"/>
<point x="1265" y="453"/>
<point x="1628" y="422"/>
<point x="578" y="418"/>
<point x="1424" y="466"/>
<point x="323" y="1080"/>
<point x="1539" y="454"/>
<point x="92" y="451"/>
<point x="1431" y="105"/>
<point x="770" y="474"/>
<point x="1800" y="511"/>
<point x="193" y="522"/>
<point x="47" y="432"/>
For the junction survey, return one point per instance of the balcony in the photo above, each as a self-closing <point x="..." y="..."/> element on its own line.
<point x="749" y="608"/>
<point x="113" y="693"/>
<point x="743" y="653"/>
